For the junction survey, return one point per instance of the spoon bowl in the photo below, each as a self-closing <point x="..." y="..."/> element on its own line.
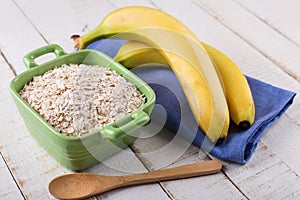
<point x="82" y="185"/>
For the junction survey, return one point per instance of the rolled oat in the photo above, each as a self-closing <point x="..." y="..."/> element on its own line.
<point x="78" y="99"/>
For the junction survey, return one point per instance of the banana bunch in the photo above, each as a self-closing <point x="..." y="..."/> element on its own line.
<point x="237" y="91"/>
<point x="180" y="49"/>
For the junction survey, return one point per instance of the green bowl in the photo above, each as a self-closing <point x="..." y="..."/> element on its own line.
<point x="77" y="153"/>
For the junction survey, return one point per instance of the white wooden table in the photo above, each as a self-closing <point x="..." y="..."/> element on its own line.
<point x="262" y="37"/>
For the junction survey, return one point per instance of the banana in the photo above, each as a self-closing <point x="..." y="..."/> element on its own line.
<point x="183" y="53"/>
<point x="133" y="53"/>
<point x="237" y="90"/>
<point x="238" y="94"/>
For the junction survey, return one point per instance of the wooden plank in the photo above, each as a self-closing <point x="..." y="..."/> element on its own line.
<point x="283" y="16"/>
<point x="54" y="20"/>
<point x="265" y="170"/>
<point x="8" y="188"/>
<point x="163" y="150"/>
<point x="266" y="176"/>
<point x="270" y="43"/>
<point x="32" y="166"/>
<point x="121" y="3"/>
<point x="64" y="19"/>
<point x="125" y="163"/>
<point x="90" y="12"/>
<point x="17" y="34"/>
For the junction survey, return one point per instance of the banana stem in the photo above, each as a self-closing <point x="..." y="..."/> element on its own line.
<point x="81" y="42"/>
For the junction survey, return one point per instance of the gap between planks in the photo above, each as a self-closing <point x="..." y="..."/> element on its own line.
<point x="284" y="66"/>
<point x="135" y="150"/>
<point x="8" y="63"/>
<point x="13" y="181"/>
<point x="28" y="19"/>
<point x="266" y="22"/>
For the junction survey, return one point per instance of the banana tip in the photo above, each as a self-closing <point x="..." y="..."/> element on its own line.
<point x="244" y="125"/>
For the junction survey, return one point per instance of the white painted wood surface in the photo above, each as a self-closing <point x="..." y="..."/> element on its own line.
<point x="31" y="165"/>
<point x="263" y="43"/>
<point x="19" y="36"/>
<point x="8" y="188"/>
<point x="282" y="16"/>
<point x="260" y="35"/>
<point x="154" y="152"/>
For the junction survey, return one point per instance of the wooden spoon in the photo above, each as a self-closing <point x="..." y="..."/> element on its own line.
<point x="82" y="185"/>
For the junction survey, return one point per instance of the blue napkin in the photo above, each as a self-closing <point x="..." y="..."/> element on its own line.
<point x="270" y="103"/>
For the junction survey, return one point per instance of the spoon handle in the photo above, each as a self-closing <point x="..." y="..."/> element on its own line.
<point x="185" y="171"/>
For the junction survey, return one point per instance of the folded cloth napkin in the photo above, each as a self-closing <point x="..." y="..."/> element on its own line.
<point x="270" y="103"/>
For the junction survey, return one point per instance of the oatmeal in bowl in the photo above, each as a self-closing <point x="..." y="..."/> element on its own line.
<point x="81" y="107"/>
<point x="78" y="99"/>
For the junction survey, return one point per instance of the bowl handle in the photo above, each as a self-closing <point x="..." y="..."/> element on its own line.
<point x="113" y="131"/>
<point x="29" y="58"/>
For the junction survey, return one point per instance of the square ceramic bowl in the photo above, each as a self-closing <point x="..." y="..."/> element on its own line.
<point x="77" y="153"/>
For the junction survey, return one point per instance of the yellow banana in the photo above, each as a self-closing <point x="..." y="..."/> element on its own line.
<point x="238" y="94"/>
<point x="184" y="54"/>
<point x="133" y="53"/>
<point x="237" y="90"/>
